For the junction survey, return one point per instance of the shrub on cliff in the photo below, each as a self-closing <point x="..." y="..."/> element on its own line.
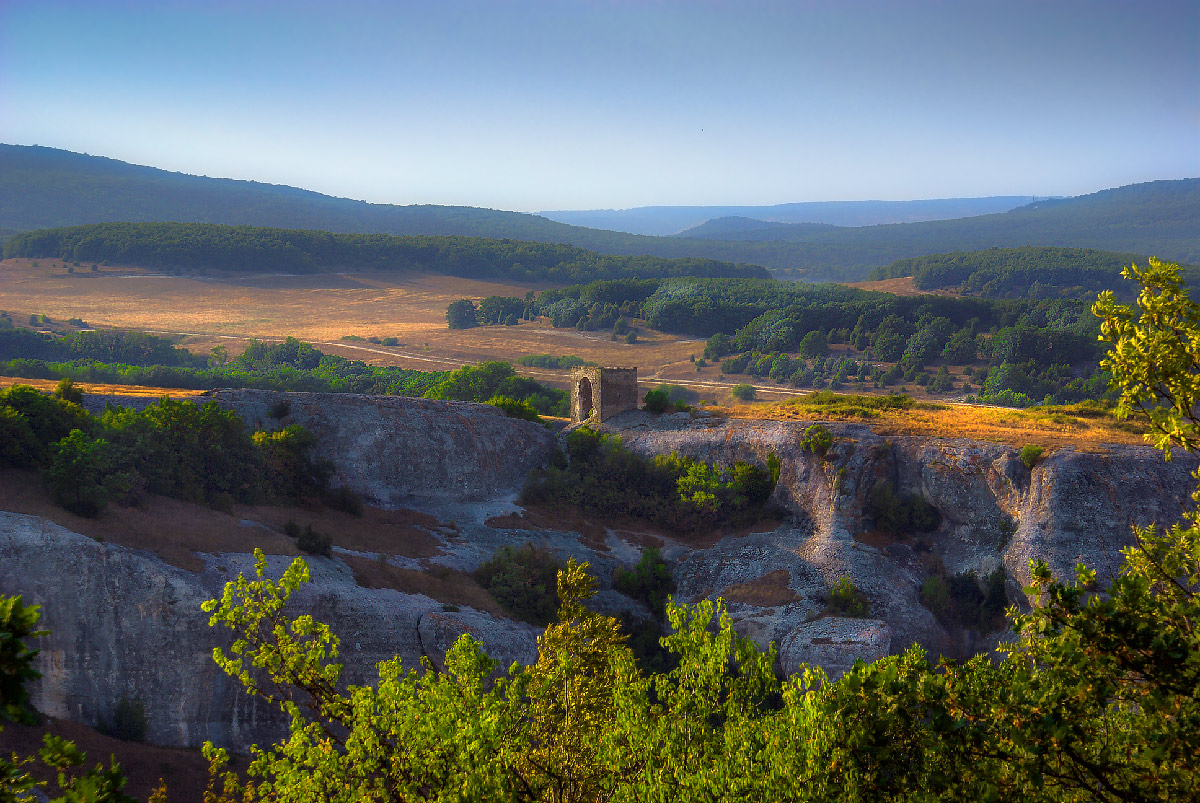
<point x="845" y="599"/>
<point x="515" y="408"/>
<point x="523" y="581"/>
<point x="1031" y="455"/>
<point x="649" y="581"/>
<point x="603" y="477"/>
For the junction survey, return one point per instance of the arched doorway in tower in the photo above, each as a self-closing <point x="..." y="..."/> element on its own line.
<point x="585" y="399"/>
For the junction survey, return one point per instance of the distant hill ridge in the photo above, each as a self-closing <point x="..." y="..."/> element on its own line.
<point x="211" y="246"/>
<point x="42" y="187"/>
<point x="1030" y="272"/>
<point x="669" y="220"/>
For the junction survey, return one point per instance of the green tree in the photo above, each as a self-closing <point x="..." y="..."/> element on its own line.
<point x="461" y="315"/>
<point x="79" y="467"/>
<point x="743" y="392"/>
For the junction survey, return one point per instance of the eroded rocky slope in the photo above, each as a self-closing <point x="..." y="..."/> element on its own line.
<point x="126" y="624"/>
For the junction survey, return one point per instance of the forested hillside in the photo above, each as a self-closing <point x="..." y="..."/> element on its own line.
<point x="43" y="187"/>
<point x="1159" y="217"/>
<point x="199" y="246"/>
<point x="1030" y="272"/>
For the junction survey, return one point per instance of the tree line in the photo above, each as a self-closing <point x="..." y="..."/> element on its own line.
<point x="204" y="246"/>
<point x="291" y="365"/>
<point x="1028" y="272"/>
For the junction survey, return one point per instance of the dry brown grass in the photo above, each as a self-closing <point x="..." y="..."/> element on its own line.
<point x="228" y="310"/>
<point x="438" y="582"/>
<point x="394" y="532"/>
<point x="767" y="591"/>
<point x="902" y="286"/>
<point x="1049" y="427"/>
<point x="103" y="389"/>
<point x="185" y="772"/>
<point x="176" y="531"/>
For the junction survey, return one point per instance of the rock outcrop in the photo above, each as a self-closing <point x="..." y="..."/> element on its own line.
<point x="392" y="448"/>
<point x="123" y="623"/>
<point x="1072" y="506"/>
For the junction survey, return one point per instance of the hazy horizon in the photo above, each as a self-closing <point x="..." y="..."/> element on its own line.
<point x="616" y="105"/>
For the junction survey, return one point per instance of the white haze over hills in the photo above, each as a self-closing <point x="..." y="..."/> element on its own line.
<point x="667" y="220"/>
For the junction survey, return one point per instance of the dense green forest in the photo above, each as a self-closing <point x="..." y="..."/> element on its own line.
<point x="203" y="246"/>
<point x="1029" y="272"/>
<point x="1022" y="350"/>
<point x="42" y="187"/>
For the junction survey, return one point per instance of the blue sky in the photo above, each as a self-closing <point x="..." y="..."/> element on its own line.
<point x="559" y="105"/>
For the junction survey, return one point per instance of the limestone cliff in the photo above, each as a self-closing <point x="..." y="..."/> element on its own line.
<point x="388" y="448"/>
<point x="1072" y="506"/>
<point x="126" y="624"/>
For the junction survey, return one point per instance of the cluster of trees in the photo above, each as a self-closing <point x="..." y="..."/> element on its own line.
<point x="1027" y="272"/>
<point x="206" y="246"/>
<point x="102" y="345"/>
<point x="291" y="365"/>
<point x="198" y="453"/>
<point x="783" y="331"/>
<point x="491" y="379"/>
<point x="564" y="362"/>
<point x="598" y="475"/>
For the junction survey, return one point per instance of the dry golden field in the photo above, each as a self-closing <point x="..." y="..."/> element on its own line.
<point x="228" y="310"/>
<point x="210" y="310"/>
<point x="1052" y="427"/>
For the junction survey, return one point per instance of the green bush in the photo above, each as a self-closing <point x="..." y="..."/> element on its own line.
<point x="524" y="580"/>
<point x="461" y="315"/>
<point x="844" y="599"/>
<point x="314" y="543"/>
<point x="515" y="408"/>
<point x="657" y="401"/>
<point x="817" y="439"/>
<point x="127" y="722"/>
<point x="743" y="392"/>
<point x="1031" y="455"/>
<point x="649" y="581"/>
<point x="343" y="499"/>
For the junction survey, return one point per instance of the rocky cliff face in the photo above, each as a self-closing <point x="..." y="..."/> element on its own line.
<point x="125" y="624"/>
<point x="1072" y="506"/>
<point x="389" y="448"/>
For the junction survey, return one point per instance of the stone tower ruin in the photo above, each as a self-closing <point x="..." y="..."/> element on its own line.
<point x="600" y="393"/>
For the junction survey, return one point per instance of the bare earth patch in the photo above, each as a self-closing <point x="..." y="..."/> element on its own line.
<point x="185" y="772"/>
<point x="768" y="591"/>
<point x="446" y="585"/>
<point x="176" y="531"/>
